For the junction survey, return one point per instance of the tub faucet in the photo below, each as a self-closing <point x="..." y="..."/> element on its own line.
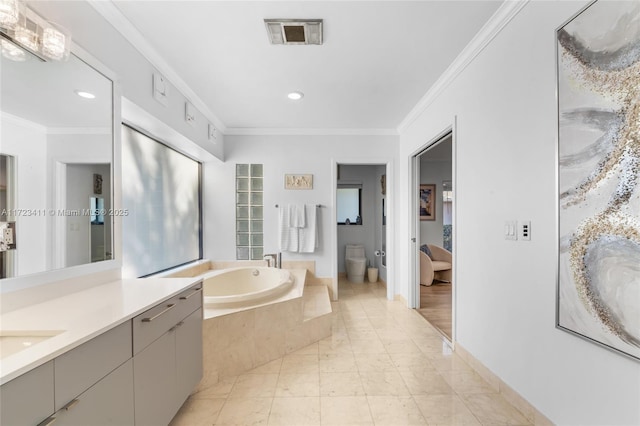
<point x="273" y="259"/>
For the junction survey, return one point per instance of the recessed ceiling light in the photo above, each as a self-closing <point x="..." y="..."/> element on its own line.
<point x="85" y="95"/>
<point x="295" y="96"/>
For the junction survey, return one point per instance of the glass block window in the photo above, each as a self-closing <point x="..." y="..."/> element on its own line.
<point x="249" y="212"/>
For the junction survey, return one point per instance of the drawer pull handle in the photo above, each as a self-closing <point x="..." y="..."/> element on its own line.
<point x="168" y="308"/>
<point x="48" y="421"/>
<point x="194" y="292"/>
<point x="71" y="404"/>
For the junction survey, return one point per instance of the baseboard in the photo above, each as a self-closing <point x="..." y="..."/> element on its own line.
<point x="514" y="398"/>
<point x="401" y="299"/>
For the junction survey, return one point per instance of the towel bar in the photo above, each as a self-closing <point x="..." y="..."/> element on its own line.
<point x="317" y="205"/>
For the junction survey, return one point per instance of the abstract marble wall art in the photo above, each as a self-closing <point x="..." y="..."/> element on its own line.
<point x="599" y="175"/>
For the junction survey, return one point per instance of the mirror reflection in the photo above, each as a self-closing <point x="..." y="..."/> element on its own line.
<point x="55" y="165"/>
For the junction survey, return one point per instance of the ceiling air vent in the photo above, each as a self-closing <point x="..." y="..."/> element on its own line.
<point x="294" y="31"/>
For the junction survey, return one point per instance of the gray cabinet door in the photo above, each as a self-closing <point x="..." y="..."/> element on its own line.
<point x="28" y="399"/>
<point x="189" y="354"/>
<point x="154" y="380"/>
<point x="108" y="402"/>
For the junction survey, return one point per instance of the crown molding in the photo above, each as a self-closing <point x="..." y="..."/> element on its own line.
<point x="79" y="131"/>
<point x="505" y="13"/>
<point x="282" y="131"/>
<point x="22" y="122"/>
<point x="114" y="16"/>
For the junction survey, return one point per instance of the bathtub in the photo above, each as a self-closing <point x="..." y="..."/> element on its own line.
<point x="246" y="286"/>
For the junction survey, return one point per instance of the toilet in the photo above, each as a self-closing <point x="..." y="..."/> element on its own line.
<point x="355" y="262"/>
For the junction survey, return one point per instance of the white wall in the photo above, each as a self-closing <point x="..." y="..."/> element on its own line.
<point x="26" y="141"/>
<point x="504" y="105"/>
<point x="280" y="155"/>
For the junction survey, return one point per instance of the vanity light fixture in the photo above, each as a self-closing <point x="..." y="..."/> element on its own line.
<point x="85" y="95"/>
<point x="26" y="29"/>
<point x="295" y="96"/>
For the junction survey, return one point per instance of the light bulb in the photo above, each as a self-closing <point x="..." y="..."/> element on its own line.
<point x="13" y="52"/>
<point x="26" y="37"/>
<point x="9" y="13"/>
<point x="53" y="43"/>
<point x="56" y="42"/>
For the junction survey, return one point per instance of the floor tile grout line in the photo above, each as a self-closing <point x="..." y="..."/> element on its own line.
<point x="400" y="320"/>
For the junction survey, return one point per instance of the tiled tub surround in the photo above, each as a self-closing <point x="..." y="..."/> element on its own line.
<point x="237" y="340"/>
<point x="81" y="316"/>
<point x="241" y="338"/>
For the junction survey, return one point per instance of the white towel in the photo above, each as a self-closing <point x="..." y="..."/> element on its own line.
<point x="308" y="236"/>
<point x="288" y="236"/>
<point x="297" y="216"/>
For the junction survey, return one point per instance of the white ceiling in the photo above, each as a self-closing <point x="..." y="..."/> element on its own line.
<point x="378" y="58"/>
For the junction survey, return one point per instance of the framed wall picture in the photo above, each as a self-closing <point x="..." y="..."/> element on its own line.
<point x="298" y="181"/>
<point x="598" y="86"/>
<point x="97" y="183"/>
<point x="427" y="202"/>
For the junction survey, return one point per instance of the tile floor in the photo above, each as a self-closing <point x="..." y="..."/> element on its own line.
<point x="383" y="365"/>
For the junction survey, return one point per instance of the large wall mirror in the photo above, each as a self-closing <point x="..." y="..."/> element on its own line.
<point x="56" y="150"/>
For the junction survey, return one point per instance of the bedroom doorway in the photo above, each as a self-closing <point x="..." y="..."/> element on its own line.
<point x="434" y="220"/>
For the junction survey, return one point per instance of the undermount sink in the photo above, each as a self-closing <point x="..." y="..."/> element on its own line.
<point x="13" y="341"/>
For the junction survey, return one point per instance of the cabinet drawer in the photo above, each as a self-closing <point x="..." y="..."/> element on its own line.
<point x="80" y="368"/>
<point x="190" y="300"/>
<point x="153" y="323"/>
<point x="28" y="399"/>
<point x="108" y="402"/>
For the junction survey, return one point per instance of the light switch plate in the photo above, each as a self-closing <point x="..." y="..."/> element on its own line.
<point x="160" y="89"/>
<point x="511" y="230"/>
<point x="213" y="133"/>
<point x="189" y="113"/>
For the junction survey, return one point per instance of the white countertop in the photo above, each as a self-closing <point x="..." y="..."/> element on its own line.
<point x="82" y="316"/>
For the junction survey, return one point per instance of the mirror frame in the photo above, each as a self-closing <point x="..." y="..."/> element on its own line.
<point x="109" y="269"/>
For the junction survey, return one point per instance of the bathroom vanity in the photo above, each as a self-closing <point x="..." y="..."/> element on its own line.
<point x="123" y="353"/>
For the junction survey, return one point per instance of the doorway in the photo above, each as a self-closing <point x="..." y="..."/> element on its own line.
<point x="434" y="286"/>
<point x="363" y="202"/>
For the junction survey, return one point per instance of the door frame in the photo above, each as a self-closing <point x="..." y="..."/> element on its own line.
<point x="58" y="223"/>
<point x="414" y="222"/>
<point x="390" y="262"/>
